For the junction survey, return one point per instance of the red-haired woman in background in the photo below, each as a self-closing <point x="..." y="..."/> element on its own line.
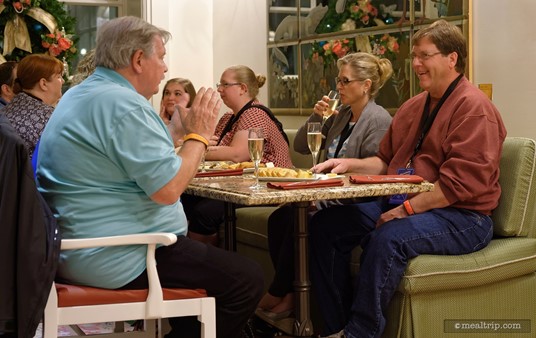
<point x="38" y="87"/>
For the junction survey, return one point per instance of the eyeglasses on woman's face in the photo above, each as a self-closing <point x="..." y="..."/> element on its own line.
<point x="227" y="85"/>
<point x="343" y="81"/>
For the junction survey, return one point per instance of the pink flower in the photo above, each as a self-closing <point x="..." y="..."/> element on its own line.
<point x="372" y="10"/>
<point x="64" y="43"/>
<point x="54" y="50"/>
<point x="45" y="44"/>
<point x="337" y="48"/>
<point x="382" y="50"/>
<point x="392" y="45"/>
<point x="17" y="6"/>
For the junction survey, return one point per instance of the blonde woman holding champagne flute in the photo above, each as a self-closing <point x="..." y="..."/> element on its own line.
<point x="354" y="130"/>
<point x="358" y="123"/>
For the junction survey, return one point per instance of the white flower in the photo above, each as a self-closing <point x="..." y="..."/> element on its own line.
<point x="348" y="25"/>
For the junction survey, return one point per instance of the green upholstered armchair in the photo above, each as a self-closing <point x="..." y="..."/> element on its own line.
<point x="494" y="284"/>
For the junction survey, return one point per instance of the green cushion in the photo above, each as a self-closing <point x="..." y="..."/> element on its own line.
<point x="515" y="215"/>
<point x="251" y="225"/>
<point x="299" y="160"/>
<point x="502" y="259"/>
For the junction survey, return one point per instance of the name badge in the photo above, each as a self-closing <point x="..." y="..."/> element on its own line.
<point x="400" y="198"/>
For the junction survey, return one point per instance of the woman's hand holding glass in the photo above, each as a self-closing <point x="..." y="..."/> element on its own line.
<point x="326" y="106"/>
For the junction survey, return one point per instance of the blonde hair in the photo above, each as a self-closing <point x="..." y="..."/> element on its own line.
<point x="85" y="68"/>
<point x="245" y="75"/>
<point x="368" y="66"/>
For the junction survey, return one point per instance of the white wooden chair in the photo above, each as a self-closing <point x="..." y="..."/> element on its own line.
<point x="73" y="304"/>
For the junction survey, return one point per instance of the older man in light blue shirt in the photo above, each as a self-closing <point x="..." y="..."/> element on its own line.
<point x="107" y="166"/>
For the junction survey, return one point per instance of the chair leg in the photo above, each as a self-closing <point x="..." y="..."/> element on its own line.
<point x="208" y="318"/>
<point x="50" y="320"/>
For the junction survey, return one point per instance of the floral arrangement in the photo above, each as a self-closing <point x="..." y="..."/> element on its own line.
<point x="330" y="51"/>
<point x="19" y="5"/>
<point x="36" y="26"/>
<point x="357" y="14"/>
<point x="58" y="44"/>
<point x="363" y="12"/>
<point x="385" y="46"/>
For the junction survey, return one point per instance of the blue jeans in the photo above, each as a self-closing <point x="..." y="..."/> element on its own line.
<point x="359" y="305"/>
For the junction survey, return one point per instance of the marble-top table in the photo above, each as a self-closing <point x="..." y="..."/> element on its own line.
<point x="235" y="190"/>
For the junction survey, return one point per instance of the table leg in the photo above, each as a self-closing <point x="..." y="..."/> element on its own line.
<point x="230" y="227"/>
<point x="303" y="325"/>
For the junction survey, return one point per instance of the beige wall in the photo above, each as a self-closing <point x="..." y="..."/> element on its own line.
<point x="505" y="55"/>
<point x="209" y="35"/>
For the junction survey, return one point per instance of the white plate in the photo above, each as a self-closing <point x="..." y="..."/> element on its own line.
<point x="297" y="179"/>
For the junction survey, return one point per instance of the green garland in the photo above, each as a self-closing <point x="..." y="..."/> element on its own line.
<point x="37" y="30"/>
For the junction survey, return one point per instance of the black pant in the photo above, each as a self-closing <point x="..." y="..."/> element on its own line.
<point x="281" y="241"/>
<point x="204" y="215"/>
<point x="235" y="281"/>
<point x="281" y="246"/>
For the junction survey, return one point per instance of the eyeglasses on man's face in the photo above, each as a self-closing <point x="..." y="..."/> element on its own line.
<point x="227" y="85"/>
<point x="423" y="56"/>
<point x="343" y="81"/>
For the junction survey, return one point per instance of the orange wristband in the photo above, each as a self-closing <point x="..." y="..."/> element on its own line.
<point x="196" y="137"/>
<point x="408" y="208"/>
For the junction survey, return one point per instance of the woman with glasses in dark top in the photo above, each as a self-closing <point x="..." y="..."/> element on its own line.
<point x="354" y="130"/>
<point x="238" y="88"/>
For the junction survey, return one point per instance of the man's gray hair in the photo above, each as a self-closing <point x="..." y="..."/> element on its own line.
<point x="119" y="39"/>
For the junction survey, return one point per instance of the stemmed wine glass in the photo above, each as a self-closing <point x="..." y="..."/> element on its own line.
<point x="256" y="147"/>
<point x="314" y="139"/>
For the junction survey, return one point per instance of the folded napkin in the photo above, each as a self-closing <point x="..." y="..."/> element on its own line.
<point x="226" y="172"/>
<point x="335" y="182"/>
<point x="357" y="179"/>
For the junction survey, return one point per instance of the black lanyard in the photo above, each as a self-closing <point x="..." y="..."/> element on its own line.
<point x="428" y="118"/>
<point x="232" y="121"/>
<point x="248" y="105"/>
<point x="344" y="135"/>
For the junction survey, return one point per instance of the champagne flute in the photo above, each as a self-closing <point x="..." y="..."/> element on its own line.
<point x="333" y="103"/>
<point x="314" y="139"/>
<point x="256" y="147"/>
